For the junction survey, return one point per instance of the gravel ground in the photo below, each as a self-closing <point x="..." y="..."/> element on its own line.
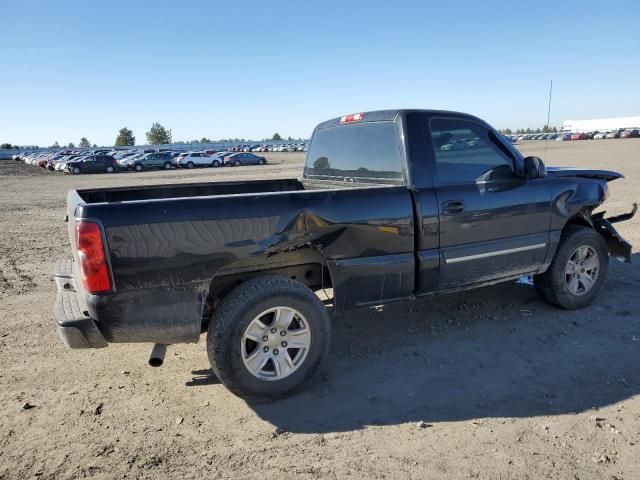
<point x="487" y="384"/>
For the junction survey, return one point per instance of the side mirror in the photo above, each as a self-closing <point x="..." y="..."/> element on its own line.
<point x="534" y="168"/>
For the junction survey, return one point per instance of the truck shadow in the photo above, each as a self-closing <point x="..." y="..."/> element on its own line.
<point x="491" y="352"/>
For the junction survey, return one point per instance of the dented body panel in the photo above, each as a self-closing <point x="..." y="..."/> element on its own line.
<point x="173" y="248"/>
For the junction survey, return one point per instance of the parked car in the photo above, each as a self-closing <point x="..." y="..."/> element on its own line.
<point x="154" y="160"/>
<point x="92" y="164"/>
<point x="243" y="260"/>
<point x="615" y="134"/>
<point x="196" y="159"/>
<point x="563" y="137"/>
<point x="220" y="157"/>
<point x="238" y="159"/>
<point x="579" y="136"/>
<point x="600" y="135"/>
<point x="630" y="133"/>
<point x="61" y="164"/>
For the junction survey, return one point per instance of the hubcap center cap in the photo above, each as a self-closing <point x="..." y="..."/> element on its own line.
<point x="273" y="342"/>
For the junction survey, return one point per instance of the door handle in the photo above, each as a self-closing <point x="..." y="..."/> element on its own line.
<point x="453" y="207"/>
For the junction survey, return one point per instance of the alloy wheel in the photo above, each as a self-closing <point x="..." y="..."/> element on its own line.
<point x="581" y="272"/>
<point x="275" y="343"/>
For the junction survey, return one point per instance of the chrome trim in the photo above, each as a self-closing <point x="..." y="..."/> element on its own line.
<point x="496" y="253"/>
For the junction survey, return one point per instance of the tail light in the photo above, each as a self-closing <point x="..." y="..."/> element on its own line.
<point x="93" y="262"/>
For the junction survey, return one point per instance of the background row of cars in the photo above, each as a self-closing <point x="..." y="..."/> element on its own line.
<point x="567" y="136"/>
<point x="599" y="135"/>
<point x="111" y="161"/>
<point x="265" y="147"/>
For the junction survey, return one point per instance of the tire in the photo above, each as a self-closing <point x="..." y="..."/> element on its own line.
<point x="138" y="167"/>
<point x="237" y="163"/>
<point x="228" y="348"/>
<point x="190" y="165"/>
<point x="262" y="161"/>
<point x="75" y="170"/>
<point x="167" y="165"/>
<point x="110" y="169"/>
<point x="555" y="285"/>
<point x="215" y="164"/>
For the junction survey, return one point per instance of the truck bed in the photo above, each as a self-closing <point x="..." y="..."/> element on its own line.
<point x="158" y="192"/>
<point x="211" y="189"/>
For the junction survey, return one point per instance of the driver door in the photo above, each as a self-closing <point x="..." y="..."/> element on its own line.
<point x="493" y="224"/>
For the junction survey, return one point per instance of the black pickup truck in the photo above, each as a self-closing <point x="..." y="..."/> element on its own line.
<point x="393" y="205"/>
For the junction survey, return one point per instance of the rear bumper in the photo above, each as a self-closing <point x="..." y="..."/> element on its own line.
<point x="75" y="327"/>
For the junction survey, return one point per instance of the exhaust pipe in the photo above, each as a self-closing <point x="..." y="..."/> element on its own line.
<point x="156" y="359"/>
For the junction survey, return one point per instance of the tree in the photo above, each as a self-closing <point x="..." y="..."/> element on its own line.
<point x="94" y="146"/>
<point x="322" y="163"/>
<point x="158" y="135"/>
<point x="55" y="145"/>
<point x="276" y="137"/>
<point x="84" y="143"/>
<point x="205" y="140"/>
<point x="6" y="146"/>
<point x="125" y="138"/>
<point x="71" y="145"/>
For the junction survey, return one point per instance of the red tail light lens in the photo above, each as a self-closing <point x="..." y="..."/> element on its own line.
<point x="95" y="272"/>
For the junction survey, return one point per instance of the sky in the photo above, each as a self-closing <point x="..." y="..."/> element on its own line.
<point x="248" y="69"/>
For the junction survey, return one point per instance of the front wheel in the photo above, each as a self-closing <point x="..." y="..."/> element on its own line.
<point x="75" y="170"/>
<point x="577" y="271"/>
<point x="110" y="169"/>
<point x="215" y="164"/>
<point x="167" y="166"/>
<point x="137" y="167"/>
<point x="269" y="337"/>
<point x="190" y="165"/>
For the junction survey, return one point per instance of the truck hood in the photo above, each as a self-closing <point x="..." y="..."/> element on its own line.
<point x="584" y="173"/>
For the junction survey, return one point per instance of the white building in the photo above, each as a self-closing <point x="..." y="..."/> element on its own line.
<point x="600" y="124"/>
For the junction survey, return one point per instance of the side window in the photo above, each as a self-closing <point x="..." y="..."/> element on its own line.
<point x="196" y="155"/>
<point x="465" y="152"/>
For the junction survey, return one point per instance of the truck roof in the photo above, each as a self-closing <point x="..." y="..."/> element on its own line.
<point x="388" y="115"/>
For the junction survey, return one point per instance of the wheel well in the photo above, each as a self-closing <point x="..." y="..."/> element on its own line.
<point x="314" y="274"/>
<point x="582" y="218"/>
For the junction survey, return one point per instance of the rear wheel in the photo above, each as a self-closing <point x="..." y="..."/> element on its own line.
<point x="110" y="169"/>
<point x="215" y="164"/>
<point x="137" y="167"/>
<point x="577" y="271"/>
<point x="167" y="165"/>
<point x="269" y="337"/>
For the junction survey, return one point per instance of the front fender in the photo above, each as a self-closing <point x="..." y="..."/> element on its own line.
<point x="618" y="246"/>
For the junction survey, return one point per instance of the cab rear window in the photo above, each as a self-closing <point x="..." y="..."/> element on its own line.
<point x="358" y="152"/>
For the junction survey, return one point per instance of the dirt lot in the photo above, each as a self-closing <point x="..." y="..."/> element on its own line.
<point x="507" y="386"/>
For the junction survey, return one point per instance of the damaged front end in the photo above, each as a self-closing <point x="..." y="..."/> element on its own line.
<point x="618" y="246"/>
<point x="588" y="191"/>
